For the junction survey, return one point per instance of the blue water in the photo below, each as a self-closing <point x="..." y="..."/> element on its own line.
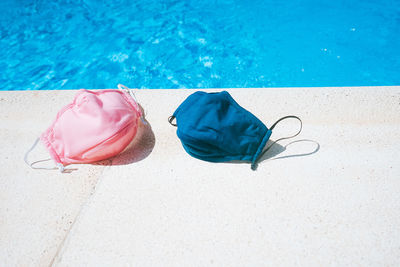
<point x="69" y="44"/>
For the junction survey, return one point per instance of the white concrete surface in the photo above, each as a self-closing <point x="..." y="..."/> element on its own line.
<point x="331" y="199"/>
<point x="37" y="208"/>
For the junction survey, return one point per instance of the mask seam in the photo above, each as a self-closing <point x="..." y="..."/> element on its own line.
<point x="62" y="111"/>
<point x="236" y="104"/>
<point x="192" y="139"/>
<point x="185" y="136"/>
<point x="112" y="136"/>
<point x="256" y="121"/>
<point x="124" y="95"/>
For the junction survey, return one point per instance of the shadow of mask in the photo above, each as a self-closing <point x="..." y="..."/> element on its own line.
<point x="140" y="147"/>
<point x="303" y="147"/>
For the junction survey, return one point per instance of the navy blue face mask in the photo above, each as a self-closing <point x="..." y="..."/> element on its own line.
<point x="214" y="127"/>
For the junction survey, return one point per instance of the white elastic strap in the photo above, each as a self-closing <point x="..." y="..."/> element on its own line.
<point x="132" y="94"/>
<point x="123" y="87"/>
<point x="59" y="165"/>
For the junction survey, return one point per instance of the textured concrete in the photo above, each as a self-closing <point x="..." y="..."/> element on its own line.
<point x="330" y="196"/>
<point x="37" y="208"/>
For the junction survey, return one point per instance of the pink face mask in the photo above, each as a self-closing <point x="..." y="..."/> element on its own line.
<point x="95" y="126"/>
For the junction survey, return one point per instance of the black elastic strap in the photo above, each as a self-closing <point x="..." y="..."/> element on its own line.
<point x="170" y="119"/>
<point x="254" y="166"/>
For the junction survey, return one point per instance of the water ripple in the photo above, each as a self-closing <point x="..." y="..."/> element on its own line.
<point x="67" y="44"/>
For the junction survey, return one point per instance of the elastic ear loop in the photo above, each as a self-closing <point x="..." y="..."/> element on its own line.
<point x="170" y="119"/>
<point x="59" y="165"/>
<point x="123" y="87"/>
<point x="132" y="94"/>
<point x="254" y="165"/>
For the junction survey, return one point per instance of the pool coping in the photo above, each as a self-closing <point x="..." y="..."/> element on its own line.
<point x="59" y="227"/>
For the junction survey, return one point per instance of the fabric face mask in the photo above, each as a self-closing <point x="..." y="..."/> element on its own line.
<point x="214" y="127"/>
<point x="97" y="125"/>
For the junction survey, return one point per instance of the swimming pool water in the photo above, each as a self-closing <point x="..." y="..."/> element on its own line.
<point x="66" y="44"/>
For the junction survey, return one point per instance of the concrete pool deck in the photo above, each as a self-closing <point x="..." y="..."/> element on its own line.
<point x="329" y="197"/>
